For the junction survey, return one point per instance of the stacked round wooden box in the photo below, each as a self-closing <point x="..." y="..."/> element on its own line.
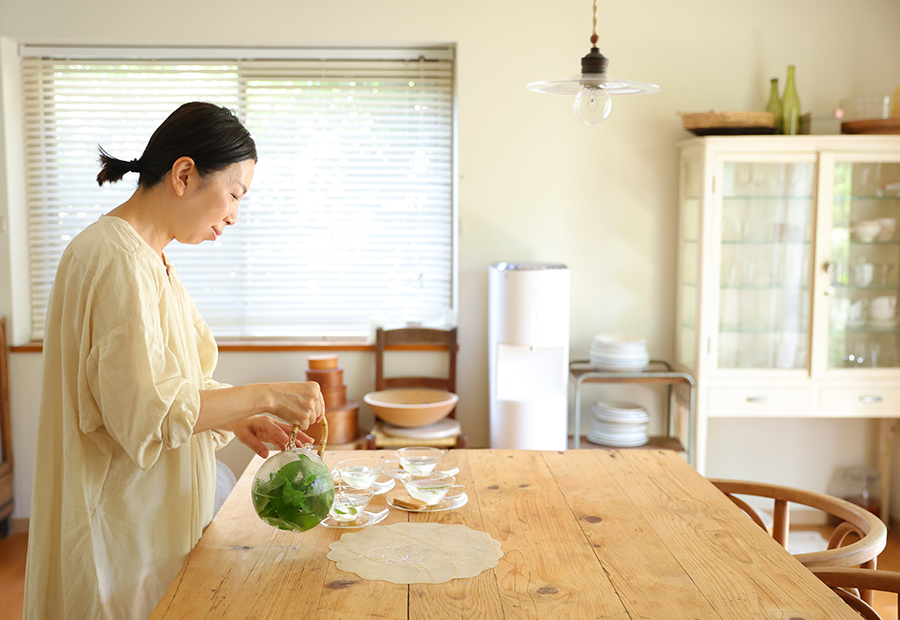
<point x="342" y="416"/>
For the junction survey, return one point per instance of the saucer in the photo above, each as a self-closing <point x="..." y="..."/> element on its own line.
<point x="364" y="519"/>
<point x="378" y="488"/>
<point x="398" y="473"/>
<point x="448" y="503"/>
<point x="383" y="487"/>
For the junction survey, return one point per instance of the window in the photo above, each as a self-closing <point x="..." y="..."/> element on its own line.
<point x="350" y="216"/>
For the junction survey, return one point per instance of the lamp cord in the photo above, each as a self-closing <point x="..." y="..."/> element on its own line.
<point x="594" y="37"/>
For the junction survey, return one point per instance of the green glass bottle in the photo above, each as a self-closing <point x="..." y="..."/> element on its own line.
<point x="790" y="106"/>
<point x="774" y="106"/>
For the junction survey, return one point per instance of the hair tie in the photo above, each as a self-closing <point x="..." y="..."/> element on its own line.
<point x="134" y="166"/>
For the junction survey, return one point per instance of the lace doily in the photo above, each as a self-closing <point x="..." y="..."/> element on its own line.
<point x="416" y="552"/>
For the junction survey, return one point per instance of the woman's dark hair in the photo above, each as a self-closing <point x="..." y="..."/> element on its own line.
<point x="209" y="134"/>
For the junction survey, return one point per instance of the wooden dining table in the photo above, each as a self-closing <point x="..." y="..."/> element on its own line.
<point x="622" y="534"/>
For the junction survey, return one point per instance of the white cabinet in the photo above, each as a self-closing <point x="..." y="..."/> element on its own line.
<point x="789" y="258"/>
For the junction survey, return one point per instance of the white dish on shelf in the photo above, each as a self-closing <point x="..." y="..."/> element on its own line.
<point x="618" y="418"/>
<point x="619" y="367"/>
<point x="635" y="361"/>
<point x="618" y="353"/>
<point x="615" y="442"/>
<point x="620" y="428"/>
<point x="448" y="427"/>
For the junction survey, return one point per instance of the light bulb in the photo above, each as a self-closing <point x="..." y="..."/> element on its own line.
<point x="592" y="105"/>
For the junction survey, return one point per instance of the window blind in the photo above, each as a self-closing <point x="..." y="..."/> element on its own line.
<point x="349" y="218"/>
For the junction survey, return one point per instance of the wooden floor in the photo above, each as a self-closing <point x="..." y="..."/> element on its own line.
<point x="12" y="575"/>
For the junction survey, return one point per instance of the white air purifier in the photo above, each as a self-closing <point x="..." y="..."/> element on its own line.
<point x="528" y="350"/>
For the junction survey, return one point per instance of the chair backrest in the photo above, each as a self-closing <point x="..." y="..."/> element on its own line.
<point x="849" y="583"/>
<point x="855" y="520"/>
<point x="416" y="339"/>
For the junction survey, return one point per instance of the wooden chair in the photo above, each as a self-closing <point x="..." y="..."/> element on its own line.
<point x="849" y="583"/>
<point x="856" y="523"/>
<point x="414" y="339"/>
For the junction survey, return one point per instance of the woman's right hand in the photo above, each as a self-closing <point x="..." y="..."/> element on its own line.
<point x="296" y="402"/>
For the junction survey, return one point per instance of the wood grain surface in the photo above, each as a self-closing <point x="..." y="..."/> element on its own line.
<point x="585" y="534"/>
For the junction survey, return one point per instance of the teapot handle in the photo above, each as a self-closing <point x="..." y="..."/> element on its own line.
<point x="295" y="428"/>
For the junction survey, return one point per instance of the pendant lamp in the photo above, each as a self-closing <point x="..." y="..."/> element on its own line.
<point x="593" y="87"/>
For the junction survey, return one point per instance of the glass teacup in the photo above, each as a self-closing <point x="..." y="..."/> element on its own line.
<point x="429" y="489"/>
<point x="359" y="473"/>
<point x="419" y="460"/>
<point x="349" y="503"/>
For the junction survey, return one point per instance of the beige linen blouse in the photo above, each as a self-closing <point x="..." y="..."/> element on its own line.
<point x="122" y="486"/>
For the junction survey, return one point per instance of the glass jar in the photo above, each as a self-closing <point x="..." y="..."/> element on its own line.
<point x="861" y="485"/>
<point x="294" y="490"/>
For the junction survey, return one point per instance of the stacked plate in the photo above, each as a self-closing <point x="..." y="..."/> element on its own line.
<point x="623" y="353"/>
<point x="448" y="427"/>
<point x="619" y="425"/>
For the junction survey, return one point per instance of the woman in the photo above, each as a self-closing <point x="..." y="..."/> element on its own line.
<point x="130" y="415"/>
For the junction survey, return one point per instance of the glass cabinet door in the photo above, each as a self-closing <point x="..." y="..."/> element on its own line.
<point x="765" y="249"/>
<point x="689" y="255"/>
<point x="864" y="266"/>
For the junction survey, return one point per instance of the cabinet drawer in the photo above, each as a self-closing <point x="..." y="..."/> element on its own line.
<point x="872" y="401"/>
<point x="724" y="402"/>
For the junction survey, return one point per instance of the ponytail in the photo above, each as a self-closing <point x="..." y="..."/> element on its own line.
<point x="113" y="169"/>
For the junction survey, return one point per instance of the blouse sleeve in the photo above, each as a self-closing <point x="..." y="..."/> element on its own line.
<point x="145" y="402"/>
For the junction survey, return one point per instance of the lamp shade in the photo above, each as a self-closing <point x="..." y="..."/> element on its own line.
<point x="610" y="85"/>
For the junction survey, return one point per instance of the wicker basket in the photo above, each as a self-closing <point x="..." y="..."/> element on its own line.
<point x="703" y="123"/>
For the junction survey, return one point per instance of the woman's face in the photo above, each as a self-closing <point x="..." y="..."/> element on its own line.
<point x="211" y="204"/>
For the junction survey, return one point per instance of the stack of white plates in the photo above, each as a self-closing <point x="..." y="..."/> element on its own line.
<point x="623" y="353"/>
<point x="619" y="425"/>
<point x="447" y="427"/>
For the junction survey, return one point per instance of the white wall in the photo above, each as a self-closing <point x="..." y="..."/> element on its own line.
<point x="534" y="183"/>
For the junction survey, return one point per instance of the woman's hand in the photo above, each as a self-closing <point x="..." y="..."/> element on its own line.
<point x="256" y="431"/>
<point x="299" y="403"/>
<point x="295" y="402"/>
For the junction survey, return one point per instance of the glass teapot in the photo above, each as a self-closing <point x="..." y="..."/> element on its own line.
<point x="293" y="490"/>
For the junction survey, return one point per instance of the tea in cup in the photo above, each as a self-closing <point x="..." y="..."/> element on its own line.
<point x="419" y="460"/>
<point x="359" y="473"/>
<point x="349" y="503"/>
<point x="883" y="308"/>
<point x="429" y="489"/>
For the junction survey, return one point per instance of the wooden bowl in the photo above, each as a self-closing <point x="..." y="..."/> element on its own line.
<point x="411" y="407"/>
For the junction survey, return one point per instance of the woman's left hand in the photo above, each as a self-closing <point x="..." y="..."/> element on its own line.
<point x="256" y="431"/>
